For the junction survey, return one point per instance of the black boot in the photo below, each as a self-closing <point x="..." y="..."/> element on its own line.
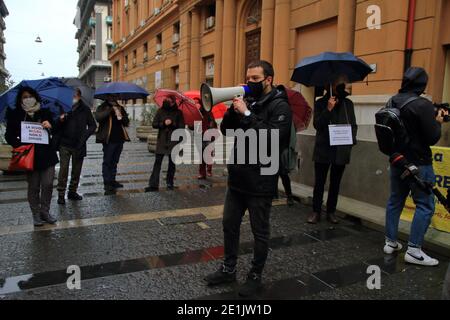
<point x="331" y="217"/>
<point x="117" y="185"/>
<point x="74" y="196"/>
<point x="290" y="201"/>
<point x="109" y="189"/>
<point x="61" y="200"/>
<point x="252" y="286"/>
<point x="221" y="276"/>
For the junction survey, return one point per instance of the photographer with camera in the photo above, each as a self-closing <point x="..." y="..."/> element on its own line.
<point x="75" y="128"/>
<point x="423" y="128"/>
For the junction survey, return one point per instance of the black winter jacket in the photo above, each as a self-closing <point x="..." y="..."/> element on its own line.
<point x="271" y="112"/>
<point x="44" y="155"/>
<point x="419" y="117"/>
<point x="76" y="128"/>
<point x="343" y="113"/>
<point x="164" y="144"/>
<point x="104" y="116"/>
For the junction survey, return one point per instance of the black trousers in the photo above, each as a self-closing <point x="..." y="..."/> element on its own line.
<point x="111" y="157"/>
<point x="321" y="173"/>
<point x="154" y="178"/>
<point x="236" y="204"/>
<point x="286" y="184"/>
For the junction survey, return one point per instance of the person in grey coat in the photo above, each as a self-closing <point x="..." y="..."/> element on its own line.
<point x="334" y="109"/>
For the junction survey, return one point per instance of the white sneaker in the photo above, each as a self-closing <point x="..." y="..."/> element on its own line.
<point x="417" y="256"/>
<point x="392" y="247"/>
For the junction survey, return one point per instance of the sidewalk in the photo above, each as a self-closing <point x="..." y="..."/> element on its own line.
<point x="374" y="217"/>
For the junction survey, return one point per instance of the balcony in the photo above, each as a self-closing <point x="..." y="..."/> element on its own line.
<point x="92" y="43"/>
<point x="92" y="22"/>
<point x="109" y="43"/>
<point x="109" y="20"/>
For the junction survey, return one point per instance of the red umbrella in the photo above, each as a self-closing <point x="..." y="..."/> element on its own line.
<point x="218" y="111"/>
<point x="185" y="104"/>
<point x="301" y="111"/>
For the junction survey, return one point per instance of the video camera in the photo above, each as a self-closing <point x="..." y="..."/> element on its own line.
<point x="411" y="175"/>
<point x="445" y="107"/>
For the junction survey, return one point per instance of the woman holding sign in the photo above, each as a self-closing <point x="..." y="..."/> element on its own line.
<point x="21" y="129"/>
<point x="335" y="122"/>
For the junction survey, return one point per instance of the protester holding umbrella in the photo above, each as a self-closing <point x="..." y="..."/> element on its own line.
<point x="112" y="119"/>
<point x="334" y="109"/>
<point x="167" y="119"/>
<point x="40" y="180"/>
<point x="334" y="120"/>
<point x="75" y="128"/>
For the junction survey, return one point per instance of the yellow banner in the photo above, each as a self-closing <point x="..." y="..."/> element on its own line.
<point x="441" y="165"/>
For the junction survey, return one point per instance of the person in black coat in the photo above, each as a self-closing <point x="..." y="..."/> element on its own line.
<point x="331" y="110"/>
<point x="250" y="187"/>
<point x="167" y="119"/>
<point x="74" y="129"/>
<point x="40" y="180"/>
<point x="112" y="121"/>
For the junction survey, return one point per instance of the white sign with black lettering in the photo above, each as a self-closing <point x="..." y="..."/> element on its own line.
<point x="341" y="135"/>
<point x="33" y="132"/>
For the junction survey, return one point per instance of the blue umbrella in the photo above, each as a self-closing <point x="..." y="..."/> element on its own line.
<point x="120" y="91"/>
<point x="54" y="94"/>
<point x="321" y="70"/>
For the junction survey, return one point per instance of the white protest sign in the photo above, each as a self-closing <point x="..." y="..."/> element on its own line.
<point x="341" y="135"/>
<point x="33" y="132"/>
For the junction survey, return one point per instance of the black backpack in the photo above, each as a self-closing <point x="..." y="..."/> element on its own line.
<point x="390" y="130"/>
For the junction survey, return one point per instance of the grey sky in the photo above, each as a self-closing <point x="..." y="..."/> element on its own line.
<point x="52" y="20"/>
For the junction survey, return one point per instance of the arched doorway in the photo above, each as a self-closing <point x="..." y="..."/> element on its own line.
<point x="249" y="36"/>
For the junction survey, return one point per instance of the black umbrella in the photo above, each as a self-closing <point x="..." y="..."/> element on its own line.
<point x="87" y="93"/>
<point x="321" y="70"/>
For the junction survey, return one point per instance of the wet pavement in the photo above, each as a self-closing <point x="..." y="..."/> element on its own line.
<point x="136" y="245"/>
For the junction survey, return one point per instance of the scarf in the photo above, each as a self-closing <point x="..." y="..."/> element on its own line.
<point x="32" y="110"/>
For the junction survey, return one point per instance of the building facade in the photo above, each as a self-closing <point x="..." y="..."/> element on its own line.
<point x="3" y="14"/>
<point x="94" y="24"/>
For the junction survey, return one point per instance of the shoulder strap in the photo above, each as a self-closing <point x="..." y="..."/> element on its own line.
<point x="406" y="102"/>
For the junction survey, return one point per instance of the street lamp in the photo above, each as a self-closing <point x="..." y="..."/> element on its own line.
<point x="40" y="61"/>
<point x="38" y="40"/>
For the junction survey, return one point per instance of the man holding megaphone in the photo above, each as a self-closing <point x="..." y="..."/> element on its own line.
<point x="263" y="112"/>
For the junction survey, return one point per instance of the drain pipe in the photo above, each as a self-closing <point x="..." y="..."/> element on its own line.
<point x="410" y="34"/>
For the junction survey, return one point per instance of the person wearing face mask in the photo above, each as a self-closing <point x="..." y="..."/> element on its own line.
<point x="75" y="128"/>
<point x="332" y="109"/>
<point x="40" y="180"/>
<point x="248" y="187"/>
<point x="167" y="119"/>
<point x="113" y="121"/>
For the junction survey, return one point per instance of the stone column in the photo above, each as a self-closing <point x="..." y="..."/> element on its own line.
<point x="267" y="24"/>
<point x="228" y="43"/>
<point x="281" y="42"/>
<point x="218" y="44"/>
<point x="194" y="82"/>
<point x="346" y="26"/>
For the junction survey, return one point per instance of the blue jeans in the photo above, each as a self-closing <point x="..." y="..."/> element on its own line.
<point x="425" y="204"/>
